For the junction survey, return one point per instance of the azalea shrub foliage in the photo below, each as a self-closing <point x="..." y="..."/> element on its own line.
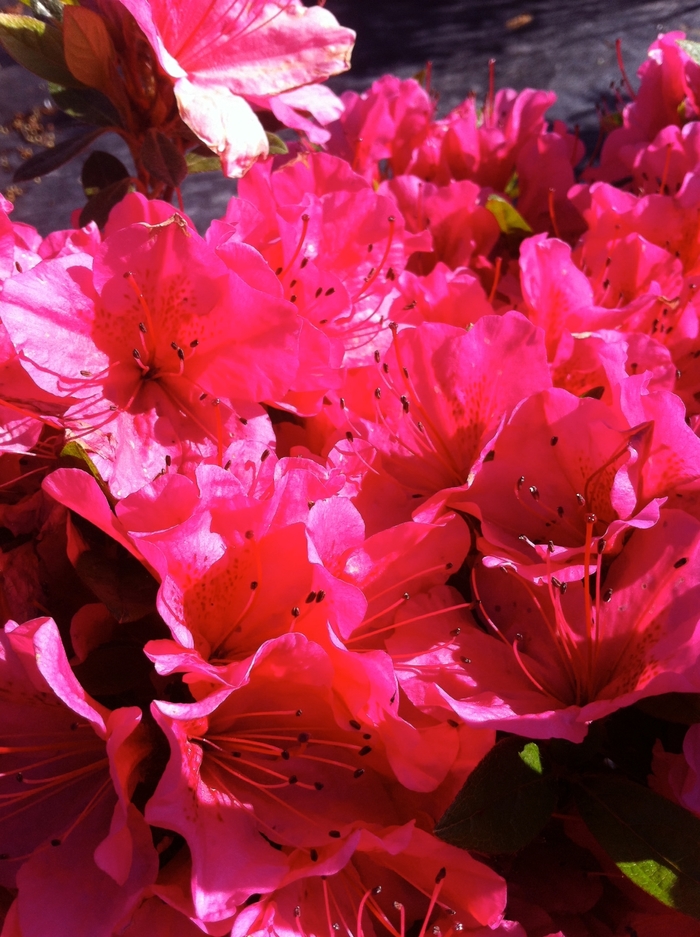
<point x="350" y="550"/>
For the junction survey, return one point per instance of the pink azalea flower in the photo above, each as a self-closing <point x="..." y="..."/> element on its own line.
<point x="442" y="397"/>
<point x="381" y="128"/>
<point x="554" y="659"/>
<point x="154" y="359"/>
<point x="220" y="57"/>
<point x="398" y="879"/>
<point x="267" y="776"/>
<point x="338" y="247"/>
<point x="569" y="476"/>
<point x="483" y="147"/>
<point x="669" y="93"/>
<point x="69" y="769"/>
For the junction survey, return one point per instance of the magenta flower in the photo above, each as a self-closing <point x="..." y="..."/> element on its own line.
<point x="221" y="56"/>
<point x="69" y="768"/>
<point x="156" y="342"/>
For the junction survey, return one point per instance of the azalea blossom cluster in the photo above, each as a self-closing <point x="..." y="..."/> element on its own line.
<point x="298" y="513"/>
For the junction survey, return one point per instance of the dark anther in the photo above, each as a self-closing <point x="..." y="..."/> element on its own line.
<point x="253" y="585"/>
<point x="293" y="283"/>
<point x="330" y="291"/>
<point x="560" y="511"/>
<point x="295" y="612"/>
<point x="404" y="403"/>
<point x="349" y="436"/>
<point x="601" y="546"/>
<point x="441" y="874"/>
<point x="320" y="595"/>
<point x="142" y="327"/>
<point x="249" y="534"/>
<point x="278" y="271"/>
<point x="365" y="750"/>
<point x="377" y="356"/>
<point x="55" y="842"/>
<point x="367" y="735"/>
<point x="453" y="723"/>
<point x="334" y="833"/>
<point x="681" y="562"/>
<point x="319" y="291"/>
<point x="310" y="597"/>
<point x="304" y="262"/>
<point x="534" y="491"/>
<point x="378" y="393"/>
<point x="136" y="354"/>
<point x="466" y="660"/>
<point x="293" y="298"/>
<point x="194" y="343"/>
<point x="303" y="737"/>
<point x="608" y="595"/>
<point x="285" y="754"/>
<point x="19" y="777"/>
<point x="314" y="855"/>
<point x="554" y="440"/>
<point x="318" y="785"/>
<point x="264" y="455"/>
<point x="358" y="773"/>
<point x="354" y="724"/>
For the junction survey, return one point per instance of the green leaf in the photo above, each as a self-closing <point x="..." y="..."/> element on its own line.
<point x="691" y="48"/>
<point x="50" y="159"/>
<point x="512" y="189"/>
<point x="510" y="221"/>
<point x="86" y="104"/>
<point x="198" y="163"/>
<point x="101" y="204"/>
<point x="653" y="841"/>
<point x="89" y="50"/>
<point x="116" y="577"/>
<point x="73" y="453"/>
<point x="100" y="170"/>
<point x="505" y="802"/>
<point x="37" y="46"/>
<point x="277" y="145"/>
<point x="162" y="159"/>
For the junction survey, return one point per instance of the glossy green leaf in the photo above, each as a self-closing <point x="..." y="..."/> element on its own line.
<point x="87" y="105"/>
<point x="36" y="45"/>
<point x="100" y="170"/>
<point x="162" y="159"/>
<point x="692" y="48"/>
<point x="277" y="145"/>
<point x="115" y="577"/>
<point x="102" y="203"/>
<point x="196" y="162"/>
<point x="653" y="841"/>
<point x="505" y="802"/>
<point x="509" y="219"/>
<point x="48" y="160"/>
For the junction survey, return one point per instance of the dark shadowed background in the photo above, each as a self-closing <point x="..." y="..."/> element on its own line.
<point x="568" y="47"/>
